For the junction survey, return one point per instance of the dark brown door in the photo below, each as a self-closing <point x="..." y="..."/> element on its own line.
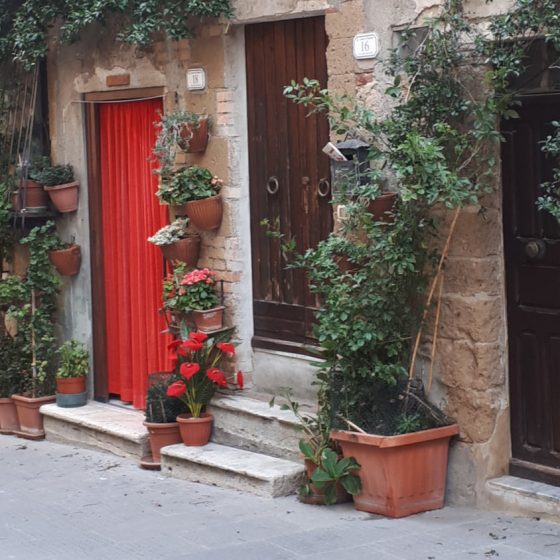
<point x="289" y="174"/>
<point x="532" y="249"/>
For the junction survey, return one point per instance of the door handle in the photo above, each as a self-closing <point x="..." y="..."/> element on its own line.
<point x="535" y="249"/>
<point x="324" y="188"/>
<point x="272" y="185"/>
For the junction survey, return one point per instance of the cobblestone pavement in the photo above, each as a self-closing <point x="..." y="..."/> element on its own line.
<point x="61" y="502"/>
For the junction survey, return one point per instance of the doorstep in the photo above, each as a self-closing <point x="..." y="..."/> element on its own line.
<point x="102" y="426"/>
<point x="520" y="496"/>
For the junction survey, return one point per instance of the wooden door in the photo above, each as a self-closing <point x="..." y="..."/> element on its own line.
<point x="289" y="175"/>
<point x="532" y="251"/>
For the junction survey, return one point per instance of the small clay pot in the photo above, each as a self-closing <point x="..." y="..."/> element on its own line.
<point x="64" y="197"/>
<point x="380" y="207"/>
<point x="195" y="432"/>
<point x="206" y="214"/>
<point x="162" y="435"/>
<point x="71" y="385"/>
<point x="209" y="320"/>
<point x="185" y="250"/>
<point x="32" y="195"/>
<point x="67" y="261"/>
<point x="194" y="138"/>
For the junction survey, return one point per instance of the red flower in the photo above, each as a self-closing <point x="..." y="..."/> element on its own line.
<point x="176" y="389"/>
<point x="227" y="348"/>
<point x="193" y="345"/>
<point x="188" y="369"/>
<point x="240" y="379"/>
<point x="172" y="346"/>
<point x="215" y="375"/>
<point x="184" y="350"/>
<point x="198" y="336"/>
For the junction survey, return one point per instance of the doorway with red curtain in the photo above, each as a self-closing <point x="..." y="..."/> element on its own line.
<point x="131" y="270"/>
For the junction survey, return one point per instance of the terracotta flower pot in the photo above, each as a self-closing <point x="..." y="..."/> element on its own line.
<point x="317" y="495"/>
<point x="29" y="416"/>
<point x="194" y="138"/>
<point x="64" y="197"/>
<point x="206" y="214"/>
<point x="67" y="261"/>
<point x="380" y="206"/>
<point x="195" y="432"/>
<point x="71" y="385"/>
<point x="179" y="210"/>
<point x="184" y="250"/>
<point x="400" y="475"/>
<point x="209" y="320"/>
<point x="32" y="195"/>
<point x="8" y="416"/>
<point x="162" y="435"/>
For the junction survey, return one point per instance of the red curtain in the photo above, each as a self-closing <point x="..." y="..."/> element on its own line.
<point x="132" y="267"/>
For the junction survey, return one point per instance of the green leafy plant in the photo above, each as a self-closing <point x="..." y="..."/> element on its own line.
<point x="187" y="184"/>
<point x="170" y="233"/>
<point x="184" y="292"/>
<point x="550" y="200"/>
<point x="52" y="175"/>
<point x="73" y="360"/>
<point x="15" y="360"/>
<point x="160" y="408"/>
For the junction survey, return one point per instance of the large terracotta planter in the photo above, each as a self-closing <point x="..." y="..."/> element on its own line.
<point x="64" y="197"/>
<point x="205" y="214"/>
<point x="380" y="207"/>
<point x="29" y="416"/>
<point x="32" y="196"/>
<point x="316" y="495"/>
<point x="162" y="435"/>
<point x="195" y="432"/>
<point x="184" y="250"/>
<point x="71" y="385"/>
<point x="8" y="416"/>
<point x="67" y="261"/>
<point x="194" y="139"/>
<point x="400" y="475"/>
<point x="210" y="320"/>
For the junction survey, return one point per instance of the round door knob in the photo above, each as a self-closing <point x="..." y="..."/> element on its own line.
<point x="535" y="249"/>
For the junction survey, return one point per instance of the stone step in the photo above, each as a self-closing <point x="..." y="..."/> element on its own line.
<point x="103" y="426"/>
<point x="524" y="497"/>
<point x="228" y="467"/>
<point x="251" y="424"/>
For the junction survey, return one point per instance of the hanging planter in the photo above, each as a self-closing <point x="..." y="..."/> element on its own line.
<point x="186" y="250"/>
<point x="64" y="197"/>
<point x="206" y="214"/>
<point x="67" y="261"/>
<point x="381" y="207"/>
<point x="208" y="320"/>
<point x="31" y="197"/>
<point x="193" y="137"/>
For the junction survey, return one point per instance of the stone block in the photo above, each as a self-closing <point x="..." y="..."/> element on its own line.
<point x="467" y="276"/>
<point x="339" y="56"/>
<point x="345" y="21"/>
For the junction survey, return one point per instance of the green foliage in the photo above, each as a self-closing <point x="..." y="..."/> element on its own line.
<point x="184" y="292"/>
<point x="550" y="200"/>
<point x="160" y="408"/>
<point x="15" y="360"/>
<point x="187" y="184"/>
<point x="53" y="175"/>
<point x="6" y="231"/>
<point x="24" y="24"/>
<point x="73" y="360"/>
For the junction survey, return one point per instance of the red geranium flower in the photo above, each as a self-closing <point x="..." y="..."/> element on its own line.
<point x="176" y="389"/>
<point x="198" y="336"/>
<point x="188" y="369"/>
<point x="193" y="345"/>
<point x="227" y="348"/>
<point x="215" y="375"/>
<point x="240" y="379"/>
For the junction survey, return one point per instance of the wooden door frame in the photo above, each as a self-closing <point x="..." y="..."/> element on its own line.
<point x="101" y="382"/>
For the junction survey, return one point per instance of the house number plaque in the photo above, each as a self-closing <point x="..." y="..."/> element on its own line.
<point x="196" y="79"/>
<point x="366" y="45"/>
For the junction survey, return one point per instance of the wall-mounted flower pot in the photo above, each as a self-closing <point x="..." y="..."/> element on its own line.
<point x="195" y="432"/>
<point x="67" y="261"/>
<point x="8" y="416"/>
<point x="162" y="435"/>
<point x="64" y="197"/>
<point x="29" y="415"/>
<point x="209" y="320"/>
<point x="206" y="214"/>
<point x="400" y="475"/>
<point x="71" y="385"/>
<point x="179" y="210"/>
<point x="381" y="207"/>
<point x="194" y="139"/>
<point x="32" y="197"/>
<point x="185" y="250"/>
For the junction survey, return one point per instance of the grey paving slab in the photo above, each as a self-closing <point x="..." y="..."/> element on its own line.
<point x="118" y="511"/>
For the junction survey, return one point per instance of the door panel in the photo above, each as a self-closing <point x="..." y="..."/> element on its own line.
<point x="286" y="166"/>
<point x="533" y="288"/>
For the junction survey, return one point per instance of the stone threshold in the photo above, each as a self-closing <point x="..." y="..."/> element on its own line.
<point x="520" y="496"/>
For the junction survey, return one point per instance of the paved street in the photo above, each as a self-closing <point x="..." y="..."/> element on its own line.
<point x="60" y="503"/>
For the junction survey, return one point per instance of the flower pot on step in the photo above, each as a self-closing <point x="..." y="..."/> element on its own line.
<point x="29" y="417"/>
<point x="8" y="416"/>
<point x="67" y="261"/>
<point x="206" y="214"/>
<point x="194" y="137"/>
<point x="64" y="197"/>
<point x="71" y="400"/>
<point x="195" y="432"/>
<point x="185" y="250"/>
<point x="380" y="207"/>
<point x="162" y="435"/>
<point x="209" y="320"/>
<point x="70" y="385"/>
<point x="400" y="475"/>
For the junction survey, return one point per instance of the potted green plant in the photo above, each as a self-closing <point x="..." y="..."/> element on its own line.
<point x="161" y="417"/>
<point x="58" y="181"/>
<point x="178" y="244"/>
<point x="30" y="195"/>
<point x="13" y="358"/>
<point x="197" y="358"/>
<point x="71" y="375"/>
<point x="65" y="257"/>
<point x="194" y="191"/>
<point x="191" y="296"/>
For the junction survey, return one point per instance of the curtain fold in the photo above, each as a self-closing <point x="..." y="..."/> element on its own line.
<point x="133" y="268"/>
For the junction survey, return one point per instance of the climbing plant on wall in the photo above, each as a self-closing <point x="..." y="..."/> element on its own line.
<point x="25" y="24"/>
